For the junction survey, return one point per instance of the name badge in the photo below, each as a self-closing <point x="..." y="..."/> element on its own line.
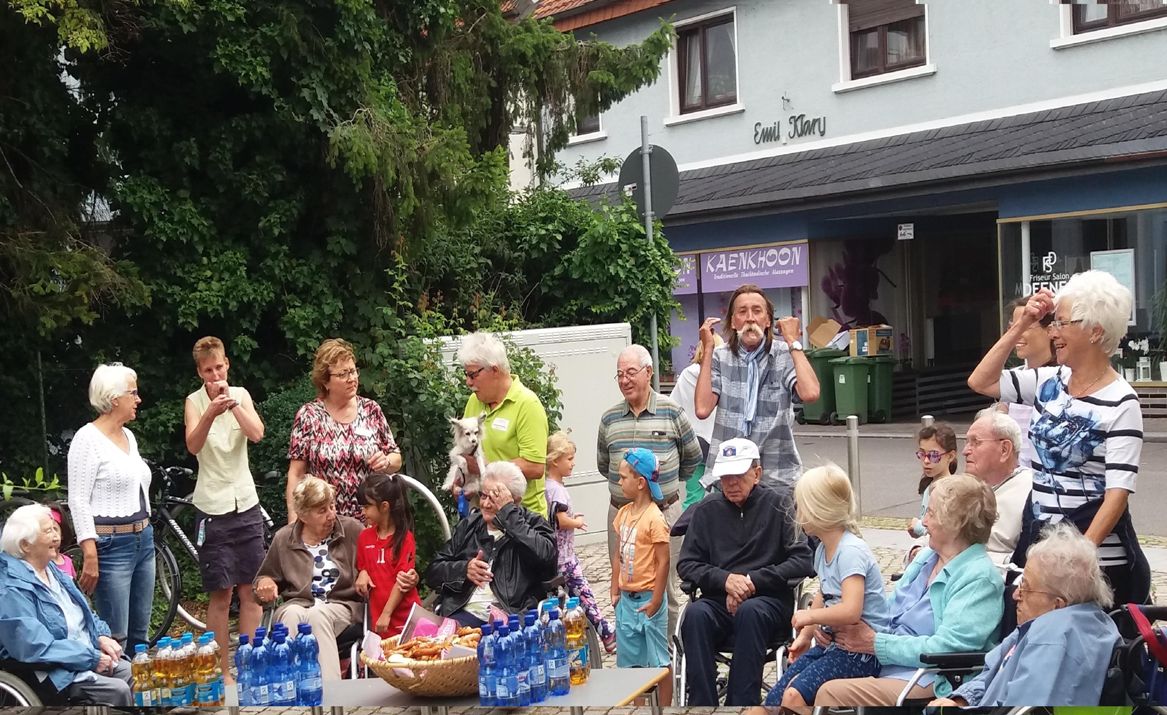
<point x="500" y="423"/>
<point x="363" y="432"/>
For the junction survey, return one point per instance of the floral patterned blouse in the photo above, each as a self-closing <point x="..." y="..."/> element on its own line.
<point x="336" y="452"/>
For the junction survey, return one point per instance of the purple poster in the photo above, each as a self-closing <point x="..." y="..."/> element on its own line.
<point x="783" y="266"/>
<point x="687" y="276"/>
<point x="686" y="331"/>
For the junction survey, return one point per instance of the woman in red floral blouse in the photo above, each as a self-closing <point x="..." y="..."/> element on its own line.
<point x="340" y="436"/>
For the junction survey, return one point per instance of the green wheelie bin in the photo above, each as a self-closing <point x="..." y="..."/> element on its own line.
<point x="850" y="380"/>
<point x="820" y="410"/>
<point x="879" y="383"/>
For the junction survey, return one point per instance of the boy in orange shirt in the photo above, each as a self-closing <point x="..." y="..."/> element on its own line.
<point x="640" y="569"/>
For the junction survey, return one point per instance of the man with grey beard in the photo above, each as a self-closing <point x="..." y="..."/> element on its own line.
<point x="753" y="381"/>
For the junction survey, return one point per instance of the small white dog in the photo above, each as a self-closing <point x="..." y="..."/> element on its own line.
<point x="467" y="445"/>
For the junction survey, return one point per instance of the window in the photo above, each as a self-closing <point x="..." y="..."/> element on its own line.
<point x="886" y="35"/>
<point x="587" y="125"/>
<point x="707" y="64"/>
<point x="1098" y="16"/>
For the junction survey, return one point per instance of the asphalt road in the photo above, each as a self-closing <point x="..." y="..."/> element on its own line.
<point x="889" y="474"/>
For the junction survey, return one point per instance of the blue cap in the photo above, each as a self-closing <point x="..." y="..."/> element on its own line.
<point x="644" y="463"/>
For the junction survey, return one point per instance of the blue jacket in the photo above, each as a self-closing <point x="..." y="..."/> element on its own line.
<point x="967" y="603"/>
<point x="1058" y="658"/>
<point x="32" y="625"/>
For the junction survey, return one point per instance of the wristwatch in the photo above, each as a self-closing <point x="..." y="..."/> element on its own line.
<point x="796" y="345"/>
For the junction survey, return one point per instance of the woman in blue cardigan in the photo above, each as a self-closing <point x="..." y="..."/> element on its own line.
<point x="950" y="599"/>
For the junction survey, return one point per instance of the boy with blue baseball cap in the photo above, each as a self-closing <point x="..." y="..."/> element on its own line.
<point x="640" y="568"/>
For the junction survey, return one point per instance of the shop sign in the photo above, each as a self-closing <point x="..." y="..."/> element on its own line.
<point x="783" y="266"/>
<point x="687" y="276"/>
<point x="1051" y="276"/>
<point x="796" y="126"/>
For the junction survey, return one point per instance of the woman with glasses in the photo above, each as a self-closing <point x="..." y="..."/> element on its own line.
<point x="340" y="436"/>
<point x="1087" y="431"/>
<point x="109" y="500"/>
<point x="1061" y="649"/>
<point x="1035" y="349"/>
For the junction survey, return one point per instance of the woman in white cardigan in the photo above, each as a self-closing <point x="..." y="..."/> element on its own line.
<point x="109" y="499"/>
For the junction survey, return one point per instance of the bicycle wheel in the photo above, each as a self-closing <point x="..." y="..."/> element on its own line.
<point x="167" y="591"/>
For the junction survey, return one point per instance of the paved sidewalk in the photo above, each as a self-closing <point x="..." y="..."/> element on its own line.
<point x="1154" y="428"/>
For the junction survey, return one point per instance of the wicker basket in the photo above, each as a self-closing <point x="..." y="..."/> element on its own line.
<point x="455" y="677"/>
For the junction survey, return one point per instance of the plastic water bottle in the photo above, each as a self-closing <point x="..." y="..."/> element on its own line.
<point x="162" y="671"/>
<point x="558" y="674"/>
<point x="521" y="660"/>
<point x="283" y="678"/>
<point x="243" y="671"/>
<point x="536" y="658"/>
<point x="575" y="625"/>
<point x="145" y="691"/>
<point x="506" y="687"/>
<point x="208" y="676"/>
<point x="216" y="659"/>
<point x="486" y="663"/>
<point x="309" y="688"/>
<point x="260" y="673"/>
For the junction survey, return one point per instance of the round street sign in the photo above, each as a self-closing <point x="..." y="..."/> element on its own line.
<point x="663" y="175"/>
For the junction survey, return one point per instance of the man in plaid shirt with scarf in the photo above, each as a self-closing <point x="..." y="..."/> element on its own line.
<point x="753" y="381"/>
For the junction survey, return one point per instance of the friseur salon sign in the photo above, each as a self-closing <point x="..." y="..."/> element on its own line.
<point x="781" y="266"/>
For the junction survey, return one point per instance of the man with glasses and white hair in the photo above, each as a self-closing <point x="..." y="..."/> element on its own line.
<point x="648" y="419"/>
<point x="991" y="448"/>
<point x="753" y="381"/>
<point x="515" y="422"/>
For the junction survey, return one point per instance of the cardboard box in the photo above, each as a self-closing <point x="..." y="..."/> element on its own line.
<point x="873" y="340"/>
<point x="821" y="331"/>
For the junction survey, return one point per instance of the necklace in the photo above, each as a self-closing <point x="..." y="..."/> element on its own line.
<point x="1086" y="391"/>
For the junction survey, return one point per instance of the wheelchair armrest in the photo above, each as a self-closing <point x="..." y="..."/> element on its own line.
<point x="689" y="588"/>
<point x="554" y="584"/>
<point x="953" y="661"/>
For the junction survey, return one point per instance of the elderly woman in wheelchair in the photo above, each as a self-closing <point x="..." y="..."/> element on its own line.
<point x="1064" y="640"/>
<point x="950" y="599"/>
<point x="46" y="626"/>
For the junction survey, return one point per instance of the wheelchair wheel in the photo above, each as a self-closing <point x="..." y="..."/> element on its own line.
<point x="14" y="692"/>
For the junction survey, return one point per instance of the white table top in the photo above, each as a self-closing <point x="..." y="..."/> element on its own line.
<point x="607" y="686"/>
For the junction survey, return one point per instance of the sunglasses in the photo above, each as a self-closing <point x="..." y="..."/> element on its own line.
<point x="931" y="455"/>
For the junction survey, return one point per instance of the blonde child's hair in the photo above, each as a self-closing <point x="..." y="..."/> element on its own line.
<point x="559" y="444"/>
<point x="824" y="500"/>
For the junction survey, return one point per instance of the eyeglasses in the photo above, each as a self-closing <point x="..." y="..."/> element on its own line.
<point x="347" y="374"/>
<point x="629" y="373"/>
<point x="975" y="442"/>
<point x="932" y="455"/>
<point x="132" y="392"/>
<point x="1059" y="324"/>
<point x="473" y="374"/>
<point x="1024" y="591"/>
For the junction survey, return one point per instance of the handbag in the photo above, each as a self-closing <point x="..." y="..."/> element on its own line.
<point x="1150" y="660"/>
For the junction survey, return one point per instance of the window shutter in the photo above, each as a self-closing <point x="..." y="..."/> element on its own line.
<point x="866" y="14"/>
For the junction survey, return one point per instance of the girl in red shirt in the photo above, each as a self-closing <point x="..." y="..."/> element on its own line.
<point x="385" y="553"/>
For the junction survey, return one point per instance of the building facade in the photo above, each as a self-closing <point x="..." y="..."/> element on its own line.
<point x="914" y="164"/>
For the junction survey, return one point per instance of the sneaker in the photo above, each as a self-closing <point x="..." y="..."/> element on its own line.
<point x="610" y="644"/>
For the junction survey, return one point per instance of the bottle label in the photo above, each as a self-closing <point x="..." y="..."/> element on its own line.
<point x="144" y="699"/>
<point x="501" y="692"/>
<point x="260" y="695"/>
<point x="311" y="684"/>
<point x="579" y="657"/>
<point x="285" y="691"/>
<point x="165" y="697"/>
<point x="538" y="674"/>
<point x="557" y="667"/>
<point x="205" y="694"/>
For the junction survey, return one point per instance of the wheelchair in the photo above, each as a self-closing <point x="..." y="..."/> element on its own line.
<point x="1124" y="685"/>
<point x="20" y="687"/>
<point x="775" y="650"/>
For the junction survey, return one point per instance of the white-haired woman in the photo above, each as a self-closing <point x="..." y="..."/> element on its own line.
<point x="312" y="565"/>
<point x="46" y="624"/>
<point x="1087" y="430"/>
<point x="1061" y="649"/>
<point x="109" y="499"/>
<point x="497" y="560"/>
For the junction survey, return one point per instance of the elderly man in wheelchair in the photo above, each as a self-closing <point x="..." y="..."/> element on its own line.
<point x="49" y="636"/>
<point x="742" y="551"/>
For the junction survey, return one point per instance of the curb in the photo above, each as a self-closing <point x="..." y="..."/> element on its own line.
<point x="896" y="523"/>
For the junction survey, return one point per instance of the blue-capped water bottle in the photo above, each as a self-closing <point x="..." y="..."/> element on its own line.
<point x="310" y="687"/>
<point x="243" y="671"/>
<point x="558" y="675"/>
<point x="283" y="678"/>
<point x="506" y="687"/>
<point x="260" y="673"/>
<point x="536" y="657"/>
<point x="522" y="662"/>
<point x="486" y="667"/>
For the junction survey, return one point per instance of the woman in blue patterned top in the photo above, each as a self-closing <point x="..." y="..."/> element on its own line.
<point x="1087" y="430"/>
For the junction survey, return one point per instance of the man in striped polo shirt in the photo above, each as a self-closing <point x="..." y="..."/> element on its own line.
<point x="648" y="419"/>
